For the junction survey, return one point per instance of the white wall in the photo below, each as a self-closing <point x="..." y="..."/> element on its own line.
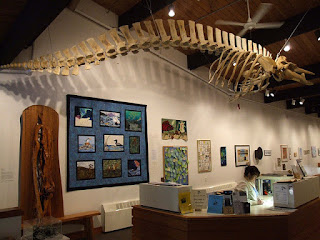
<point x="168" y="92"/>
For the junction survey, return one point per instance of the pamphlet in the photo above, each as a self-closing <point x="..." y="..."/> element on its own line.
<point x="215" y="204"/>
<point x="185" y="202"/>
<point x="199" y="199"/>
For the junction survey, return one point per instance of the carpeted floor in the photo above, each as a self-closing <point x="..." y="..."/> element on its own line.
<point x="124" y="234"/>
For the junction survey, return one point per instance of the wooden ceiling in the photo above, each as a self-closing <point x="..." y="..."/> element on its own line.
<point x="18" y="15"/>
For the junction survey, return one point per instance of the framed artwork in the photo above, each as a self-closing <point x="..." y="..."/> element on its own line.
<point x="111" y="168"/>
<point x="110" y="119"/>
<point x="242" y="153"/>
<point x="318" y="151"/>
<point x="113" y="143"/>
<point x="204" y="155"/>
<point x="223" y="156"/>
<point x="107" y="143"/>
<point x="174" y="129"/>
<point x="82" y="117"/>
<point x="284" y="153"/>
<point x="314" y="151"/>
<point x="300" y="153"/>
<point x="175" y="164"/>
<point x="306" y="152"/>
<point x="134" y="145"/>
<point x="133" y="121"/>
<point x="86" y="144"/>
<point x="85" y="170"/>
<point x="267" y="152"/>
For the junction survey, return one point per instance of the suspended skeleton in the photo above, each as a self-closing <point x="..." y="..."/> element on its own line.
<point x="243" y="65"/>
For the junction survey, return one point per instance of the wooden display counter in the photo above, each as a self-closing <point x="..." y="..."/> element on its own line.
<point x="262" y="224"/>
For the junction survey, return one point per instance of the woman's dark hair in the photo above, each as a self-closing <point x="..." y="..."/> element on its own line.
<point x="251" y="171"/>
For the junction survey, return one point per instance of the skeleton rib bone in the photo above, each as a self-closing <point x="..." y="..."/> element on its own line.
<point x="240" y="61"/>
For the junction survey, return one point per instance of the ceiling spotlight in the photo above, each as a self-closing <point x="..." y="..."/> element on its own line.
<point x="301" y="101"/>
<point x="271" y="94"/>
<point x="317" y="33"/>
<point x="287" y="47"/>
<point x="234" y="63"/>
<point x="293" y="102"/>
<point x="267" y="93"/>
<point x="171" y="11"/>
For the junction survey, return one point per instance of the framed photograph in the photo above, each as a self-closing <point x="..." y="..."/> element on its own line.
<point x="267" y="152"/>
<point x="83" y="117"/>
<point x="174" y="129"/>
<point x="134" y="145"/>
<point x="113" y="143"/>
<point x="113" y="136"/>
<point x="223" y="156"/>
<point x="284" y="153"/>
<point x="204" y="155"/>
<point x="314" y="151"/>
<point x="134" y="168"/>
<point x="86" y="143"/>
<point x="175" y="164"/>
<point x="300" y="153"/>
<point x="242" y="153"/>
<point x="133" y="121"/>
<point x="111" y="168"/>
<point x="110" y="119"/>
<point x="85" y="170"/>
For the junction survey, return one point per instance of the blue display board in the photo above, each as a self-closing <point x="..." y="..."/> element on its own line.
<point x="107" y="143"/>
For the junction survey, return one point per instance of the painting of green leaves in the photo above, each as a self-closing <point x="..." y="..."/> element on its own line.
<point x="176" y="164"/>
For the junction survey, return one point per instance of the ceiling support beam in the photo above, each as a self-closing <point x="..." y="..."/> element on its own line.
<point x="140" y="11"/>
<point x="32" y="21"/>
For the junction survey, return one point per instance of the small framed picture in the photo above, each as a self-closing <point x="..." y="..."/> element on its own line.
<point x="113" y="143"/>
<point x="86" y="170"/>
<point x="110" y="119"/>
<point x="318" y="151"/>
<point x="134" y="168"/>
<point x="111" y="168"/>
<point x="83" y="117"/>
<point x="267" y="152"/>
<point x="86" y="143"/>
<point x="284" y="153"/>
<point x="134" y="145"/>
<point x="242" y="153"/>
<point x="133" y="121"/>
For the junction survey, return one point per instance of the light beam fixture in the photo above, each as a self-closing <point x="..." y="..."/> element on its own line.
<point x="287" y="47"/>
<point x="293" y="102"/>
<point x="171" y="12"/>
<point x="271" y="94"/>
<point x="267" y="93"/>
<point x="317" y="33"/>
<point x="301" y="101"/>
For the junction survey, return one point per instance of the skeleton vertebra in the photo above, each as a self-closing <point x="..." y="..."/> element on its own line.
<point x="246" y="65"/>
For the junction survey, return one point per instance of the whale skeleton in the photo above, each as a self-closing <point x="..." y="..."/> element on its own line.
<point x="245" y="66"/>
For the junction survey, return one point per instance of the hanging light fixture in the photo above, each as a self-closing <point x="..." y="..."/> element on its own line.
<point x="301" y="101"/>
<point x="271" y="94"/>
<point x="287" y="47"/>
<point x="293" y="102"/>
<point x="267" y="93"/>
<point x="171" y="12"/>
<point x="317" y="33"/>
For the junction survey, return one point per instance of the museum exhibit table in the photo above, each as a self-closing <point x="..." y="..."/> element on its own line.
<point x="262" y="223"/>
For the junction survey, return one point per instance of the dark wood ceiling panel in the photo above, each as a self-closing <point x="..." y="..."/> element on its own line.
<point x="119" y="7"/>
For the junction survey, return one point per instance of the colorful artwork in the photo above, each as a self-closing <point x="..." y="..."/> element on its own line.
<point x="113" y="143"/>
<point x="204" y="155"/>
<point x="111" y="168"/>
<point x="223" y="156"/>
<point x="176" y="164"/>
<point x="134" y="144"/>
<point x="284" y="153"/>
<point x="174" y="129"/>
<point x="86" y="144"/>
<point x="109" y="119"/>
<point x="133" y="121"/>
<point x="83" y="117"/>
<point x="313" y="151"/>
<point x="85" y="170"/>
<point x="134" y="168"/>
<point x="242" y="155"/>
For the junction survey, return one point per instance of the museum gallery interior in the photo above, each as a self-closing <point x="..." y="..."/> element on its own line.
<point x="180" y="119"/>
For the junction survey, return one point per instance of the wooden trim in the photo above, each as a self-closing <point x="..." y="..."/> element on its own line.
<point x="79" y="216"/>
<point x="10" y="212"/>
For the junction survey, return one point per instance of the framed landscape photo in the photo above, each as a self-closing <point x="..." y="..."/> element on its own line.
<point x="110" y="119"/>
<point x="112" y="168"/>
<point x="242" y="155"/>
<point x="133" y="121"/>
<point x="86" y="143"/>
<point x="83" y="117"/>
<point x="113" y="143"/>
<point x="267" y="152"/>
<point x="284" y="153"/>
<point x="85" y="170"/>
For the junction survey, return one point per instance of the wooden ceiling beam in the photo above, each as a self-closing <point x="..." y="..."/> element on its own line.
<point x="140" y="11"/>
<point x="32" y="21"/>
<point x="269" y="36"/>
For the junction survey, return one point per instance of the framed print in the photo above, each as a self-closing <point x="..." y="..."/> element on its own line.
<point x="134" y="145"/>
<point x="86" y="144"/>
<point x="204" y="155"/>
<point x="133" y="121"/>
<point x="175" y="164"/>
<point x="242" y="153"/>
<point x="223" y="156"/>
<point x="318" y="151"/>
<point x="267" y="152"/>
<point x="111" y="168"/>
<point x="174" y="129"/>
<point x="110" y="119"/>
<point x="313" y="151"/>
<point x="107" y="143"/>
<point x="83" y="117"/>
<point x="85" y="170"/>
<point x="134" y="168"/>
<point x="300" y="153"/>
<point x="113" y="143"/>
<point x="284" y="153"/>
